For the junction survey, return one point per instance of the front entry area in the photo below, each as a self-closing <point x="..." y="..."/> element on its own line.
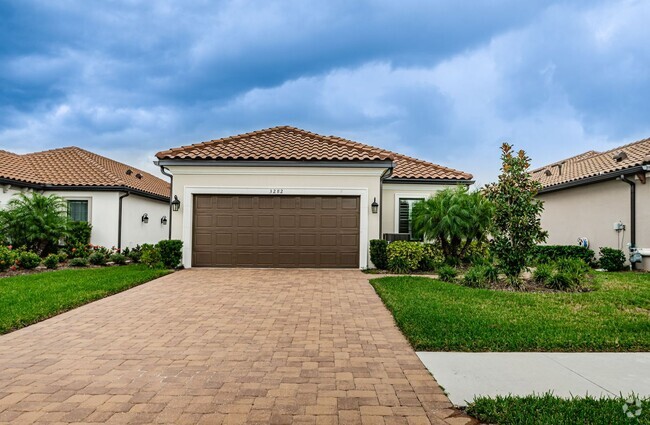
<point x="283" y="231"/>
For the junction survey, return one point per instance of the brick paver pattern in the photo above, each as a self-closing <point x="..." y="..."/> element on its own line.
<point x="223" y="346"/>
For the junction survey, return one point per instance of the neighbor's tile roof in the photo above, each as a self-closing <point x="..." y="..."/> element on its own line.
<point x="73" y="166"/>
<point x="289" y="143"/>
<point x="593" y="163"/>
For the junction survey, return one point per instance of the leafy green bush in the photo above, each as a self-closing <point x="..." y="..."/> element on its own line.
<point x="612" y="260"/>
<point x="404" y="256"/>
<point x="7" y="258"/>
<point x="78" y="262"/>
<point x="78" y="233"/>
<point x="550" y="253"/>
<point x="62" y="256"/>
<point x="28" y="260"/>
<point x="491" y="273"/>
<point x="475" y="277"/>
<point x="171" y="252"/>
<point x="562" y="281"/>
<point x="133" y="254"/>
<point x="543" y="273"/>
<point x="432" y="257"/>
<point x="97" y="259"/>
<point x="79" y="250"/>
<point x="378" y="253"/>
<point x="151" y="256"/>
<point x="447" y="273"/>
<point x="118" y="258"/>
<point x="51" y="261"/>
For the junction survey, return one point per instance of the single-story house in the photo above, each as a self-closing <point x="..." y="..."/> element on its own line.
<point x="601" y="197"/>
<point x="124" y="205"/>
<point x="286" y="197"/>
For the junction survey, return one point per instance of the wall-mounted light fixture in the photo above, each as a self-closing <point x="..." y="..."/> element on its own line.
<point x="374" y="206"/>
<point x="145" y="218"/>
<point x="163" y="220"/>
<point x="176" y="204"/>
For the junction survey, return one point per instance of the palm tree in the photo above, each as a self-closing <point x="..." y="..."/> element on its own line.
<point x="35" y="221"/>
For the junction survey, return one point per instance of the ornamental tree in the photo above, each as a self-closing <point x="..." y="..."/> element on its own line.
<point x="516" y="228"/>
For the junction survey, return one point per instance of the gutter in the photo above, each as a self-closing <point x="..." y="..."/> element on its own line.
<point x="386" y="174"/>
<point x="171" y="191"/>
<point x="364" y="163"/>
<point x="632" y="184"/>
<point x="119" y="221"/>
<point x="406" y="180"/>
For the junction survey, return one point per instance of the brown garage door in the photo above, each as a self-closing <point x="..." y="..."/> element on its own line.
<point x="275" y="231"/>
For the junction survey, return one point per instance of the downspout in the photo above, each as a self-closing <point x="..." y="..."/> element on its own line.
<point x="386" y="174"/>
<point x="119" y="221"/>
<point x="171" y="190"/>
<point x="632" y="184"/>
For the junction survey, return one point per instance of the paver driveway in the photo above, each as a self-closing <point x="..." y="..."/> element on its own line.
<point x="222" y="346"/>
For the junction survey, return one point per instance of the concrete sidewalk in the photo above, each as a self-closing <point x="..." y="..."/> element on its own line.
<point x="466" y="375"/>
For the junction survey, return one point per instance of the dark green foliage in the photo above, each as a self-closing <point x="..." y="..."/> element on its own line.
<point x="404" y="256"/>
<point x="78" y="262"/>
<point x="134" y="254"/>
<point x="378" y="253"/>
<point x="612" y="260"/>
<point x="7" y="258"/>
<point x="97" y="259"/>
<point x="30" y="298"/>
<point x="550" y="253"/>
<point x="439" y="316"/>
<point x="543" y="273"/>
<point x="51" y="261"/>
<point x="118" y="259"/>
<point x="516" y="226"/>
<point x="475" y="277"/>
<point x="79" y="250"/>
<point x="62" y="256"/>
<point x="171" y="252"/>
<point x="447" y="273"/>
<point x="28" y="260"/>
<point x="491" y="273"/>
<point x="454" y="218"/>
<point x="550" y="409"/>
<point x="35" y="221"/>
<point x="151" y="256"/>
<point x="78" y="233"/>
<point x="563" y="275"/>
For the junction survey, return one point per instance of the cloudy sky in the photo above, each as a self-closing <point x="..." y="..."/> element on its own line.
<point x="446" y="81"/>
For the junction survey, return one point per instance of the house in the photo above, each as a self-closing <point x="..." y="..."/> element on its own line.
<point x="600" y="196"/>
<point x="124" y="205"/>
<point x="285" y="197"/>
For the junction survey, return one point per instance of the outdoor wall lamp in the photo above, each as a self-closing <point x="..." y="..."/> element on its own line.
<point x="145" y="218"/>
<point x="374" y="206"/>
<point x="163" y="220"/>
<point x="176" y="204"/>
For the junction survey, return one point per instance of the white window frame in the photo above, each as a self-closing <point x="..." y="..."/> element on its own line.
<point x="81" y="198"/>
<point x="405" y="195"/>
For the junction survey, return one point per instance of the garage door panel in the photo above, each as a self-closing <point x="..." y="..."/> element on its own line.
<point x="275" y="231"/>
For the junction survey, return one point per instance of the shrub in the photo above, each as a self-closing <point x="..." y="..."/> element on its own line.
<point x="378" y="253"/>
<point x="78" y="233"/>
<point x="551" y="253"/>
<point x="561" y="281"/>
<point x="62" y="256"/>
<point x="97" y="259"/>
<point x="447" y="273"/>
<point x="79" y="250"/>
<point x="432" y="257"/>
<point x="475" y="277"/>
<point x="171" y="252"/>
<point x="78" y="262"/>
<point x="7" y="258"/>
<point x="51" y="261"/>
<point x="134" y="254"/>
<point x="404" y="256"/>
<point x="151" y="256"/>
<point x="543" y="273"/>
<point x="118" y="258"/>
<point x="28" y="260"/>
<point x="612" y="260"/>
<point x="491" y="273"/>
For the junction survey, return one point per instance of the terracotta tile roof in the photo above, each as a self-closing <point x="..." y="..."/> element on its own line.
<point x="73" y="166"/>
<point x="594" y="163"/>
<point x="289" y="143"/>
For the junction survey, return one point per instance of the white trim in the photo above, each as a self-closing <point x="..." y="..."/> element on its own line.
<point x="89" y="199"/>
<point x="188" y="204"/>
<point x="288" y="171"/>
<point x="400" y="195"/>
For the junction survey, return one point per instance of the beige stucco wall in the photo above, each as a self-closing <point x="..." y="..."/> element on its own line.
<point x="591" y="210"/>
<point x="391" y="192"/>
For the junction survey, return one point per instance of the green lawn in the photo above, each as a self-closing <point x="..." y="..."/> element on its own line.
<point x="547" y="409"/>
<point x="438" y="316"/>
<point x="31" y="298"/>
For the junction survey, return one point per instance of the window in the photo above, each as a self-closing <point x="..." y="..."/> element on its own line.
<point x="78" y="210"/>
<point x="405" y="210"/>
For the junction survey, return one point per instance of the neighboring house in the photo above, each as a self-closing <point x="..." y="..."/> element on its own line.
<point x="111" y="196"/>
<point x="601" y="196"/>
<point x="285" y="197"/>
